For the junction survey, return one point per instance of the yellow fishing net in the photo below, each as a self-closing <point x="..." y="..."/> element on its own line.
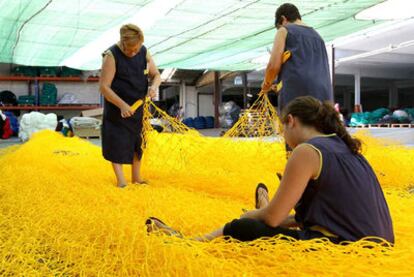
<point x="260" y="120"/>
<point x="61" y="214"/>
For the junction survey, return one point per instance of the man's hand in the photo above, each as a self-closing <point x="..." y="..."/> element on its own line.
<point x="266" y="86"/>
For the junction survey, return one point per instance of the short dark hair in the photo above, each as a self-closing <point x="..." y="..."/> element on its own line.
<point x="289" y="11"/>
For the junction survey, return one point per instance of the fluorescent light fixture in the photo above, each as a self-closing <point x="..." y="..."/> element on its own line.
<point x="388" y="10"/>
<point x="146" y="17"/>
<point x="167" y="74"/>
<point x="387" y="49"/>
<point x="364" y="55"/>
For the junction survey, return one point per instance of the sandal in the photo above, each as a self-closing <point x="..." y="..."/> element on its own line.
<point x="166" y="230"/>
<point x="259" y="186"/>
<point x="150" y="220"/>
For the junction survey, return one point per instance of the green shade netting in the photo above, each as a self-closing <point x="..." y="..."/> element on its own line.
<point x="192" y="34"/>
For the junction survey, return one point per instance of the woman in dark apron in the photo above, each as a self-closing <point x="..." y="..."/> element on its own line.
<point x="126" y="68"/>
<point x="306" y="72"/>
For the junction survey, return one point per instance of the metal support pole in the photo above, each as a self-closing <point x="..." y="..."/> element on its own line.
<point x="217" y="98"/>
<point x="357" y="91"/>
<point x="245" y="89"/>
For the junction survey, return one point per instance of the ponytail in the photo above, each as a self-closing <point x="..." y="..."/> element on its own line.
<point x="321" y="116"/>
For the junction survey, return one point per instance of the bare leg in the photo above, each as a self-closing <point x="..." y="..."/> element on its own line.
<point x="154" y="225"/>
<point x="157" y="225"/>
<point x="136" y="170"/>
<point x="213" y="235"/>
<point x="119" y="173"/>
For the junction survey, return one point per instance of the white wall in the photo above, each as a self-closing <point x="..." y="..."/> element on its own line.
<point x="190" y="108"/>
<point x="206" y="107"/>
<point x="18" y="88"/>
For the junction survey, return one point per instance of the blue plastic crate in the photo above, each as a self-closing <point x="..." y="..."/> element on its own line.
<point x="200" y="122"/>
<point x="189" y="122"/>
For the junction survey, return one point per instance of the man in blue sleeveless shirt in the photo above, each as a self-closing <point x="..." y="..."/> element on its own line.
<point x="306" y="72"/>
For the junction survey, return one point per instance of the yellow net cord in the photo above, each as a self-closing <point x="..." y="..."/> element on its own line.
<point x="61" y="214"/>
<point x="260" y="120"/>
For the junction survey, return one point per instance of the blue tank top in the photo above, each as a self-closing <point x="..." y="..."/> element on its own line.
<point x="306" y="73"/>
<point x="346" y="198"/>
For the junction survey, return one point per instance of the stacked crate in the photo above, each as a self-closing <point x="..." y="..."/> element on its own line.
<point x="48" y="95"/>
<point x="24" y="100"/>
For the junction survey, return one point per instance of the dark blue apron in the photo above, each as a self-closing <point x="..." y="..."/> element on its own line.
<point x="122" y="137"/>
<point x="306" y="73"/>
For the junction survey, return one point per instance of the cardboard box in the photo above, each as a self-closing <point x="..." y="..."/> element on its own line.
<point x="87" y="132"/>
<point x="95" y="113"/>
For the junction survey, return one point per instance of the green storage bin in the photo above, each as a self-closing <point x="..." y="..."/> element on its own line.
<point x="26" y="71"/>
<point x="49" y="89"/>
<point x="26" y="100"/>
<point x="70" y="72"/>
<point x="47" y="100"/>
<point x="48" y="71"/>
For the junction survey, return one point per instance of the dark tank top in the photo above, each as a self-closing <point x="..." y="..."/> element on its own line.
<point x="130" y="83"/>
<point x="346" y="198"/>
<point x="306" y="73"/>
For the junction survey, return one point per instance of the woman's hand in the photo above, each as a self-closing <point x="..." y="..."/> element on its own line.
<point x="126" y="111"/>
<point x="152" y="92"/>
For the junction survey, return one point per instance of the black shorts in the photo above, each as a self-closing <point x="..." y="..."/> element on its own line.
<point x="247" y="229"/>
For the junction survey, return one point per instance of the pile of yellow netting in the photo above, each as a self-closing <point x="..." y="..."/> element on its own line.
<point x="62" y="215"/>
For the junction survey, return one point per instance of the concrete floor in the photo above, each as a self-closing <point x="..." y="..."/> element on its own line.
<point x="13" y="141"/>
<point x="9" y="142"/>
<point x="401" y="135"/>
